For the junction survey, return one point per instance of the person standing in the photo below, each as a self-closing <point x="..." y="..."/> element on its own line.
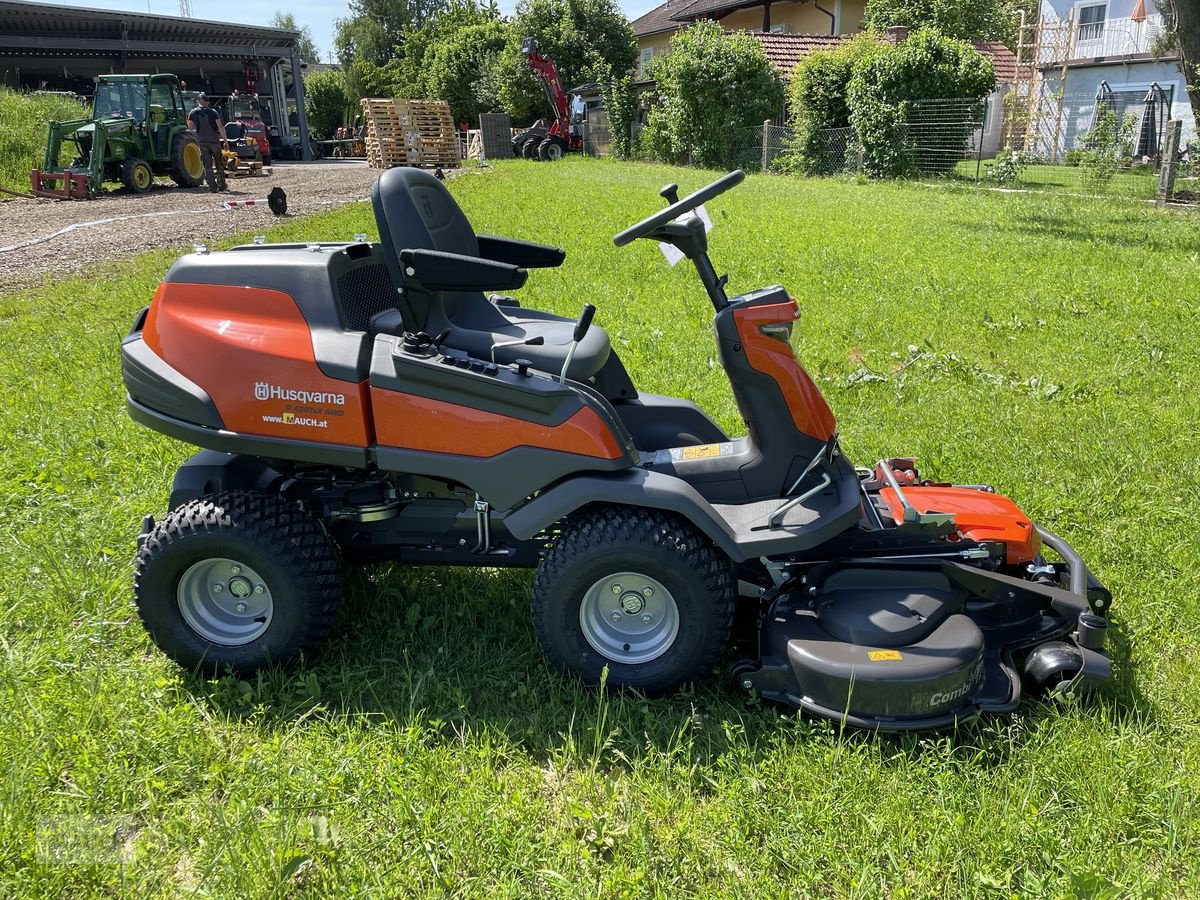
<point x="210" y="132"/>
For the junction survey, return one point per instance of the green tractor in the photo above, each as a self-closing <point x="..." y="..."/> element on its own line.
<point x="138" y="129"/>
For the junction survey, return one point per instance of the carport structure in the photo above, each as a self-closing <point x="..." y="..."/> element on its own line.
<point x="45" y="47"/>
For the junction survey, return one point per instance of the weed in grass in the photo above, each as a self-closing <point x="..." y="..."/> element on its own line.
<point x="431" y="750"/>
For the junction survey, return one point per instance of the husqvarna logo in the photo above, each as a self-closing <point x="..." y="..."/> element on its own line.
<point x="265" y="391"/>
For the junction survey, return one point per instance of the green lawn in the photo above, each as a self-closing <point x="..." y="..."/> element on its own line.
<point x="1047" y="345"/>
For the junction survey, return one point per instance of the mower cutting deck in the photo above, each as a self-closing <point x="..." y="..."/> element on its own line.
<point x="368" y="401"/>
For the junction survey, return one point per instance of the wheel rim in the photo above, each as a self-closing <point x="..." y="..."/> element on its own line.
<point x="629" y="618"/>
<point x="554" y="153"/>
<point x="225" y="601"/>
<point x="193" y="164"/>
<point x="141" y="177"/>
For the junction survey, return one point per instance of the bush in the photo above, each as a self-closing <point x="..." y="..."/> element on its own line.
<point x="885" y="86"/>
<point x="1105" y="148"/>
<point x="1007" y="167"/>
<point x="711" y="87"/>
<point x="325" y="102"/>
<point x="817" y="100"/>
<point x="24" y="122"/>
<point x="621" y="104"/>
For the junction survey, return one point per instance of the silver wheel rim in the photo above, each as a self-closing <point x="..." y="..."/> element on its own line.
<point x="225" y="601"/>
<point x="554" y="153"/>
<point x="629" y="618"/>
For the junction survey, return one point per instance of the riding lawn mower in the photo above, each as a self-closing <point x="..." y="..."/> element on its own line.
<point x="358" y="402"/>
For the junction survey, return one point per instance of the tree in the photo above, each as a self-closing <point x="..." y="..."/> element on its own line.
<point x="308" y="49"/>
<point x="325" y="103"/>
<point x="710" y="87"/>
<point x="968" y="20"/>
<point x="589" y="40"/>
<point x="885" y="85"/>
<point x="1182" y="21"/>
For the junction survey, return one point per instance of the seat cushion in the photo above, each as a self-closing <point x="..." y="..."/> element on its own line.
<point x="477" y="324"/>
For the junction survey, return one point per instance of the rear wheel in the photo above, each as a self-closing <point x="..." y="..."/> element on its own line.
<point x="552" y="149"/>
<point x="136" y="175"/>
<point x="186" y="166"/>
<point x="637" y="590"/>
<point x="529" y="148"/>
<point x="238" y="580"/>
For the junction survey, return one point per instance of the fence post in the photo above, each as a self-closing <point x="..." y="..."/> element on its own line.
<point x="1169" y="163"/>
<point x="766" y="144"/>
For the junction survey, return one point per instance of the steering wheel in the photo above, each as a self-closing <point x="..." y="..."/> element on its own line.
<point x="646" y="227"/>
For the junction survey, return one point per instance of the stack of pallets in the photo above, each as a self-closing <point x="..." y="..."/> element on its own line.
<point x="410" y="133"/>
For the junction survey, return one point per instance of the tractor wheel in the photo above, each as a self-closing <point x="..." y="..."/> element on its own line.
<point x="552" y="149"/>
<point x="186" y="165"/>
<point x="529" y="148"/>
<point x="635" y="590"/>
<point x="136" y="175"/>
<point x="237" y="580"/>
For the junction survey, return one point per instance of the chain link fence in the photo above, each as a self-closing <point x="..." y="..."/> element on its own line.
<point x="1107" y="149"/>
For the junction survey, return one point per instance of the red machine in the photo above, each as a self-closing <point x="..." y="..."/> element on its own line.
<point x="244" y="110"/>
<point x="548" y="141"/>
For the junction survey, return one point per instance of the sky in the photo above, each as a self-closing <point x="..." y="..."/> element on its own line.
<point x="317" y="15"/>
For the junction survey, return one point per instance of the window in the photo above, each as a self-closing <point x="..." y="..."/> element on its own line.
<point x="647" y="54"/>
<point x="1091" y="21"/>
<point x="778" y="29"/>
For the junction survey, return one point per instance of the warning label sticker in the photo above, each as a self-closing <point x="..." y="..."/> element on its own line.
<point x="881" y="655"/>
<point x="701" y="451"/>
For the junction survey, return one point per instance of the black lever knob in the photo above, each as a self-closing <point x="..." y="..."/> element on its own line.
<point x="536" y="341"/>
<point x="523" y="367"/>
<point x="585" y="321"/>
<point x="670" y="193"/>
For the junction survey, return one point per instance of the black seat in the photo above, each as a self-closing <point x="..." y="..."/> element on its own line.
<point x="414" y="211"/>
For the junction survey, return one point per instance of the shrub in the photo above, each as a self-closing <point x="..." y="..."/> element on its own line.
<point x="1106" y="147"/>
<point x="711" y="87"/>
<point x="817" y="100"/>
<point x="621" y="104"/>
<point x="1007" y="167"/>
<point x="885" y="86"/>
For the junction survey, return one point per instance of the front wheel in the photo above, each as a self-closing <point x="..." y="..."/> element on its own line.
<point x="237" y="580"/>
<point x="637" y="590"/>
<point x="552" y="149"/>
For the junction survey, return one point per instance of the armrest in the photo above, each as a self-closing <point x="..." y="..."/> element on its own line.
<point x="440" y="271"/>
<point x="520" y="253"/>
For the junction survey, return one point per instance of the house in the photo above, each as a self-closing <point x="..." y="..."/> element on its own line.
<point x="1081" y="43"/>
<point x="808" y="17"/>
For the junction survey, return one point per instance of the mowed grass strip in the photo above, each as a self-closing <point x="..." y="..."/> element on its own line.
<point x="1043" y="344"/>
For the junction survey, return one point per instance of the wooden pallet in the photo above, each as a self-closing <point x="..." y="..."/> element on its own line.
<point x="410" y="133"/>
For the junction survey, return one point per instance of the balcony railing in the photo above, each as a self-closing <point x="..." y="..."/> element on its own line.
<point x="1115" y="37"/>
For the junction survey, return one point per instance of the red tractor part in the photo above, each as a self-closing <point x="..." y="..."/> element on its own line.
<point x="74" y="184"/>
<point x="558" y="138"/>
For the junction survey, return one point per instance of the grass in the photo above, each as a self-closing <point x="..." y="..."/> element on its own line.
<point x="24" y="119"/>
<point x="1044" y="344"/>
<point x="1128" y="184"/>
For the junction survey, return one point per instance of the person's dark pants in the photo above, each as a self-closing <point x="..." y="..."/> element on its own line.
<point x="214" y="166"/>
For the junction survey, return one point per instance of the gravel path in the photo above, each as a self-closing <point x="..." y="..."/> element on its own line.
<point x="310" y="188"/>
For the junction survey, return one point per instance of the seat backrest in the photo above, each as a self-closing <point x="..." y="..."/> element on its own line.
<point x="414" y="211"/>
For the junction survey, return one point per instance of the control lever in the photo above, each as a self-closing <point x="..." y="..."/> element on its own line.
<point x="581" y="328"/>
<point x="442" y="335"/>
<point x="520" y="342"/>
<point x="670" y="193"/>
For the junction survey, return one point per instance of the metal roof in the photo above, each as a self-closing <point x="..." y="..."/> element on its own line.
<point x="42" y="30"/>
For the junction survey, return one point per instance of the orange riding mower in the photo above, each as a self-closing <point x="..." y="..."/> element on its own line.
<point x="358" y="402"/>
